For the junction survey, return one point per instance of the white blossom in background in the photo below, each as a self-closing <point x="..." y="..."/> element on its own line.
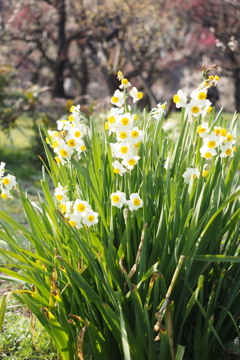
<point x="190" y="174"/>
<point x="159" y="111"/>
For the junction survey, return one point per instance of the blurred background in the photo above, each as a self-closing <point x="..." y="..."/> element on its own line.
<point x="55" y="53"/>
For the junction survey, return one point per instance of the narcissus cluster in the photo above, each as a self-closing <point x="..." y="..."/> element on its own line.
<point x="7" y="182"/>
<point x="121" y="122"/>
<point x="68" y="139"/>
<point x="118" y="199"/>
<point x="198" y="103"/>
<point x="77" y="212"/>
<point x="217" y="142"/>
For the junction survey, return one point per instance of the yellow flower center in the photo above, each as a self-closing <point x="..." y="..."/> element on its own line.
<point x="124" y="149"/>
<point x="72" y="223"/>
<point x="120" y="74"/>
<point x="112" y="119"/>
<point x="81" y="207"/>
<point x="234" y="148"/>
<point x="131" y="162"/>
<point x="114" y="99"/>
<point x="71" y="118"/>
<point x="59" y="197"/>
<point x="6" y="181"/>
<point x="90" y="218"/>
<point x="115" y="198"/>
<point x="202" y="95"/>
<point x="57" y="160"/>
<point x="124" y="81"/>
<point x="137" y="144"/>
<point x="63" y="208"/>
<point x="139" y="95"/>
<point x="229" y="137"/>
<point x="77" y="134"/>
<point x="56" y="134"/>
<point x="63" y="153"/>
<point x="72" y="108"/>
<point x="176" y="99"/>
<point x="204" y="173"/>
<point x="71" y="142"/>
<point x="228" y="151"/>
<point x="63" y="133"/>
<point x="211" y="144"/>
<point x="116" y="171"/>
<point x="217" y="78"/>
<point x="200" y="129"/>
<point x="223" y="132"/>
<point x="134" y="133"/>
<point x="208" y="155"/>
<point x="134" y="117"/>
<point x="123" y="135"/>
<point x="195" y="109"/>
<point x="211" y="77"/>
<point x="193" y="176"/>
<point x="209" y="109"/>
<point x="125" y="121"/>
<point x="83" y="147"/>
<point x="217" y="131"/>
<point x="55" y="144"/>
<point x="4" y="196"/>
<point x="136" y="202"/>
<point x="106" y="126"/>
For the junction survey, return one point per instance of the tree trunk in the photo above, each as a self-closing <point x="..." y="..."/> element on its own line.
<point x="62" y="55"/>
<point x="85" y="76"/>
<point x="58" y="89"/>
<point x="236" y="79"/>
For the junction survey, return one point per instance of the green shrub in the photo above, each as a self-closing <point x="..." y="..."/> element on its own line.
<point x="19" y="341"/>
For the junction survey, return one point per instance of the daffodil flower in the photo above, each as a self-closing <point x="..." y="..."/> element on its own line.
<point x="124" y="122"/>
<point x="159" y="111"/>
<point x="60" y="193"/>
<point x="207" y="152"/>
<point x="9" y="182"/>
<point x="130" y="160"/>
<point x="6" y="194"/>
<point x="124" y="84"/>
<point x="118" y="168"/>
<point x="194" y="107"/>
<point x="227" y="149"/>
<point x="211" y="141"/>
<point x="203" y="130"/>
<point x="118" y="199"/>
<point x="118" y="98"/>
<point x="75" y="221"/>
<point x="180" y="99"/>
<point x="135" y="202"/>
<point x="191" y="174"/>
<point x="90" y="218"/>
<point x="135" y="94"/>
<point x="81" y="207"/>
